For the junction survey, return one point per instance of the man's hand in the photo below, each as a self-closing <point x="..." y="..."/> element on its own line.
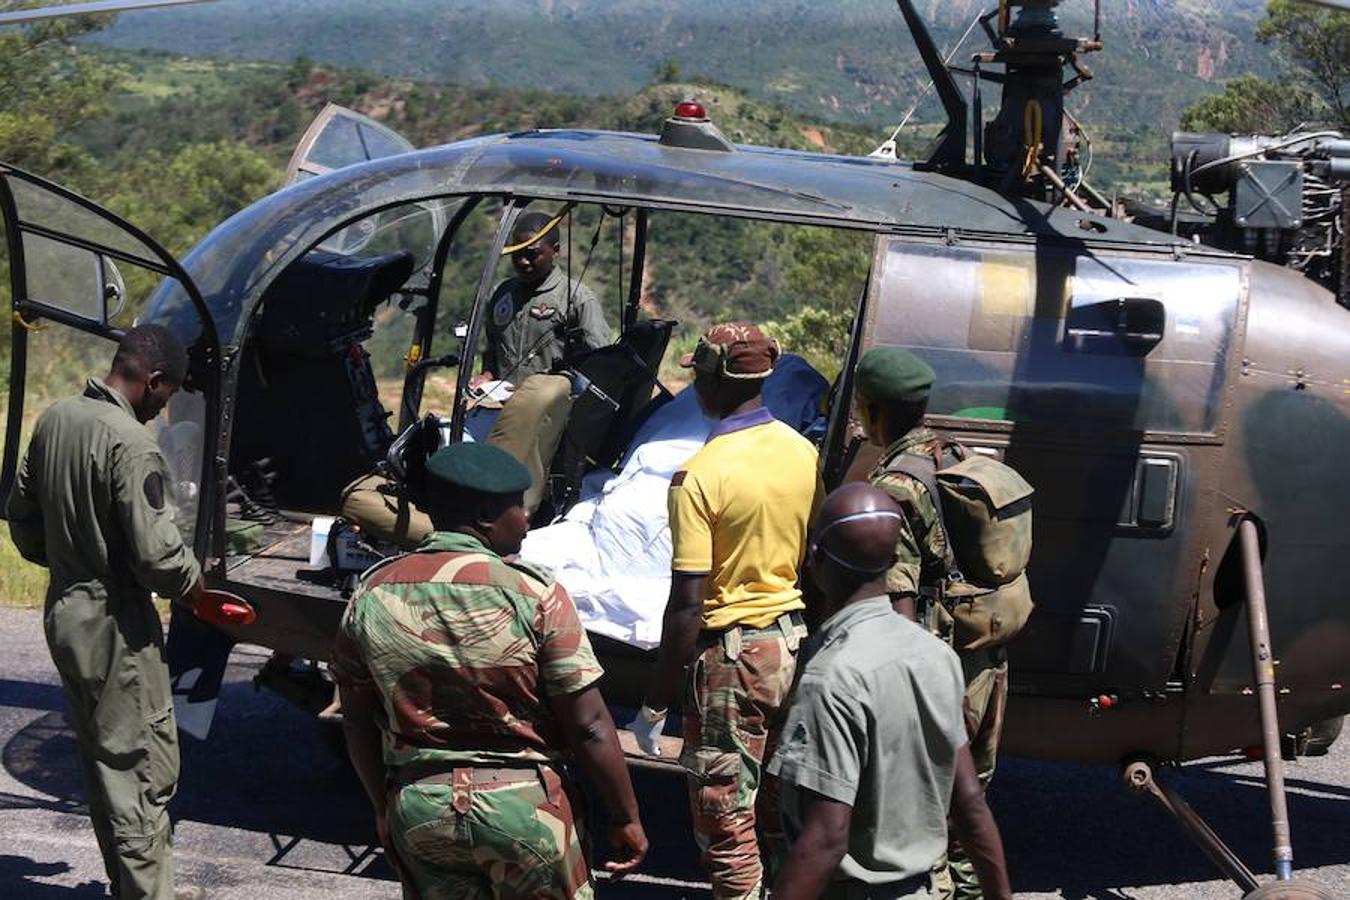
<point x="481" y="379"/>
<point x="647" y="728"/>
<point x="629" y="843"/>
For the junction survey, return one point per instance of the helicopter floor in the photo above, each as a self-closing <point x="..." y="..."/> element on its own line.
<point x="282" y="564"/>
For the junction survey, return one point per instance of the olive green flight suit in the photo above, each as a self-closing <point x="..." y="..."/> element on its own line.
<point x="523" y="325"/>
<point x="91" y="503"/>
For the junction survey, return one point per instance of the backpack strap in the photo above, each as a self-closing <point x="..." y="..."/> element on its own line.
<point x="923" y="468"/>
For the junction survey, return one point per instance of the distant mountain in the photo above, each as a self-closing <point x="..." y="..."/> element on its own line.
<point x="846" y="59"/>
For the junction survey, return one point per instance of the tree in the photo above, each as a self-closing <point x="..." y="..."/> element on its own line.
<point x="178" y="200"/>
<point x="1315" y="44"/>
<point x="667" y="71"/>
<point x="1252" y="105"/>
<point x="47" y="87"/>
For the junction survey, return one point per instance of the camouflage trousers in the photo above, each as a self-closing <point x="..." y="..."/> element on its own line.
<point x="986" y="675"/>
<point x="735" y="701"/>
<point x="108" y="647"/>
<point x="461" y="840"/>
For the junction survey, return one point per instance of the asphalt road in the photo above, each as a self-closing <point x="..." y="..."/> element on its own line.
<point x="267" y="809"/>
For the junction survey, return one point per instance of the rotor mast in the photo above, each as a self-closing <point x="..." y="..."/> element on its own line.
<point x="1030" y="148"/>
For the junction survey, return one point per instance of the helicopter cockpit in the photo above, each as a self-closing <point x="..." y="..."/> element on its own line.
<point x="369" y="347"/>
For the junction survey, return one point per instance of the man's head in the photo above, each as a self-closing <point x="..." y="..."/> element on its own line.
<point x="891" y="389"/>
<point x="148" y="368"/>
<point x="853" y="542"/>
<point x="536" y="244"/>
<point x="479" y="489"/>
<point x="730" y="364"/>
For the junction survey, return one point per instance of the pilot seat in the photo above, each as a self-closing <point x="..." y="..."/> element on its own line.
<point x="307" y="404"/>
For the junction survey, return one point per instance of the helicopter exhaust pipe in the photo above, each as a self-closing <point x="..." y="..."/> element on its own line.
<point x="1263" y="673"/>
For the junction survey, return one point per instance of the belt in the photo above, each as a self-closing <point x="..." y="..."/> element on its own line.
<point x="775" y="629"/>
<point x="445" y="774"/>
<point x="789" y="626"/>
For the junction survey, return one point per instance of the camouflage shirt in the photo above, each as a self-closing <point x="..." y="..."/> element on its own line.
<point x="464" y="649"/>
<point x="921" y="548"/>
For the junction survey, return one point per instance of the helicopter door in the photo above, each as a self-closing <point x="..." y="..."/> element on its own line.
<point x="1101" y="376"/>
<point x="339" y="137"/>
<point x="79" y="276"/>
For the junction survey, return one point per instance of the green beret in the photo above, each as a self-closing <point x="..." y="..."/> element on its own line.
<point x="892" y="375"/>
<point x="479" y="467"/>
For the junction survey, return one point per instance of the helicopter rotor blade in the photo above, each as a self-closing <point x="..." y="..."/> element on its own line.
<point x="19" y="17"/>
<point x="1343" y="5"/>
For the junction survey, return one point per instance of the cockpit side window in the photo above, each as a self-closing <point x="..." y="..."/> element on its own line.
<point x="1067" y="338"/>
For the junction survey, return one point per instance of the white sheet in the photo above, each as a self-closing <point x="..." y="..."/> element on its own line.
<point x="612" y="549"/>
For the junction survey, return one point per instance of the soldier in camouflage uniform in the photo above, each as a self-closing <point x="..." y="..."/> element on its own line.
<point x="92" y="503"/>
<point x="892" y="387"/>
<point x="733" y="620"/>
<point x="465" y="676"/>
<point x="539" y="317"/>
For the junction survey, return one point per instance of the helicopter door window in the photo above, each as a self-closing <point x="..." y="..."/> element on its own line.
<point x="340" y="137"/>
<point x="75" y="280"/>
<point x="80" y="277"/>
<point x="1076" y="340"/>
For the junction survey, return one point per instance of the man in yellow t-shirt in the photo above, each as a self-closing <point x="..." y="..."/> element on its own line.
<point x="739" y="511"/>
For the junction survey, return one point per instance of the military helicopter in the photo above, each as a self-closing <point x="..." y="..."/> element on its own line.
<point x="1180" y="408"/>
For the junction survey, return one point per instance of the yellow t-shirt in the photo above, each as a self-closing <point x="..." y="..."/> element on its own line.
<point x="739" y="511"/>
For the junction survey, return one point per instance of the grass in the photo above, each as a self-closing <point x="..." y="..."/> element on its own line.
<point x="22" y="584"/>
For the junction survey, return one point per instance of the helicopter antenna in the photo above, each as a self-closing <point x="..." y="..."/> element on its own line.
<point x="887" y="148"/>
<point x="948" y="150"/>
<point x="23" y="16"/>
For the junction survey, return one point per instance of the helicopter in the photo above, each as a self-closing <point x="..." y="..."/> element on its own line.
<point x="1176" y="390"/>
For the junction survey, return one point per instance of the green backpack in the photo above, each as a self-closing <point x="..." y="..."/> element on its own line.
<point x="985" y="508"/>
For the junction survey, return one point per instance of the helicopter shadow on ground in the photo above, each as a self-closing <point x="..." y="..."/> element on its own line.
<point x="269" y="768"/>
<point x="1076" y="830"/>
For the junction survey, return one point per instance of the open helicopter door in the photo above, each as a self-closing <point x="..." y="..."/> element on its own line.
<point x="339" y="137"/>
<point x="79" y="278"/>
<point x="76" y="268"/>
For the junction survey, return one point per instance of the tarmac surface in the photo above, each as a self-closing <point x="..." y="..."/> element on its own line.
<point x="268" y="809"/>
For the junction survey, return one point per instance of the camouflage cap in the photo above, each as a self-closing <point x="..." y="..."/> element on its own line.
<point x="734" y="350"/>
<point x="889" y="374"/>
<point x="479" y="467"/>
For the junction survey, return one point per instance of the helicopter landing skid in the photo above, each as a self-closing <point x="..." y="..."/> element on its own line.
<point x="1139" y="773"/>
<point x="1139" y="776"/>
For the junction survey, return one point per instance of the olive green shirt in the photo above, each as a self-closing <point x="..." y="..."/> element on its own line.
<point x="920" y="550"/>
<point x="522" y="325"/>
<point x="876" y="723"/>
<point x="92" y="501"/>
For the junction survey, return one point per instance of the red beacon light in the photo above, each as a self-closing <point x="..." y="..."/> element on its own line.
<point x="689" y="129"/>
<point x="691" y="110"/>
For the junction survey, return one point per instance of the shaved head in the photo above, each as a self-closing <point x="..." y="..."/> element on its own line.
<point x="853" y="543"/>
<point x="858" y="526"/>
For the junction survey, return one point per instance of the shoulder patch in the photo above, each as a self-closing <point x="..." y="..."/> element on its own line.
<point x="504" y="310"/>
<point x="678" y="478"/>
<point x="153" y="488"/>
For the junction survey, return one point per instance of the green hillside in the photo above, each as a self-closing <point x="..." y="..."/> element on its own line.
<point x="849" y="60"/>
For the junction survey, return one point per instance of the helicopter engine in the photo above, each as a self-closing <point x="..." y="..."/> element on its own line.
<point x="1285" y="198"/>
